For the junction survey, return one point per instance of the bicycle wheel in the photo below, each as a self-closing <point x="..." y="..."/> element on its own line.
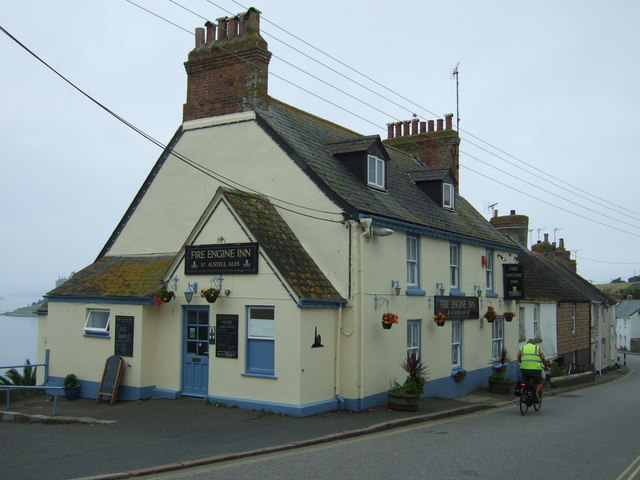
<point x="524" y="406"/>
<point x="538" y="404"/>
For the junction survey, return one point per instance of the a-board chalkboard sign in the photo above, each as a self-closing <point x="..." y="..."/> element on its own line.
<point x="124" y="336"/>
<point x="227" y="336"/>
<point x="111" y="377"/>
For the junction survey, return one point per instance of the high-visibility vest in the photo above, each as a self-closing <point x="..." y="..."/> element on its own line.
<point x="530" y="357"/>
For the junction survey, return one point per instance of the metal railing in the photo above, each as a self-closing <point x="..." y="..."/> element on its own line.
<point x="54" y="394"/>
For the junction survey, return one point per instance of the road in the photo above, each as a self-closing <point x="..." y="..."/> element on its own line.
<point x="589" y="433"/>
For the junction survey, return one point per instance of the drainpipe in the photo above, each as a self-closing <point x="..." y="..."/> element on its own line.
<point x="337" y="360"/>
<point x="361" y="315"/>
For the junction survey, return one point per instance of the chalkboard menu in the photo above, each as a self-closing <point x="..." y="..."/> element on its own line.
<point x="227" y="336"/>
<point x="124" y="336"/>
<point x="111" y="377"/>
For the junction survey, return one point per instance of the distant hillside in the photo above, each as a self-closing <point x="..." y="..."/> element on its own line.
<point x="618" y="290"/>
<point x="25" y="311"/>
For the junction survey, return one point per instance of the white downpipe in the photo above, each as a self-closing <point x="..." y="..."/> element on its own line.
<point x="361" y="315"/>
<point x="337" y="357"/>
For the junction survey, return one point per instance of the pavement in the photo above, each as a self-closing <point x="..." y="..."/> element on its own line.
<point x="101" y="441"/>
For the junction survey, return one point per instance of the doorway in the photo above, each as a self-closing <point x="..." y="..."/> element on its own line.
<point x="195" y="363"/>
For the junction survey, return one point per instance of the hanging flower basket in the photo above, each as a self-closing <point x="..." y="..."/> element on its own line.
<point x="459" y="375"/>
<point x="163" y="296"/>
<point x="210" y="294"/>
<point x="439" y="318"/>
<point x="491" y="314"/>
<point x="508" y="316"/>
<point x="388" y="319"/>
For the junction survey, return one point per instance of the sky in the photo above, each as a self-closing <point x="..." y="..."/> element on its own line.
<point x="547" y="96"/>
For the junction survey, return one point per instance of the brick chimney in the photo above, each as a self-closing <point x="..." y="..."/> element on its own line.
<point x="227" y="73"/>
<point x="436" y="143"/>
<point x="516" y="227"/>
<point x="559" y="254"/>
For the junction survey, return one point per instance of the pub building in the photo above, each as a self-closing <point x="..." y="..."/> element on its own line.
<point x="255" y="264"/>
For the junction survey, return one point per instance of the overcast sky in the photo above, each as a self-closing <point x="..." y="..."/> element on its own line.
<point x="548" y="101"/>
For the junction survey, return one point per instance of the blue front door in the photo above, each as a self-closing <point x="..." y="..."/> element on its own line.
<point x="195" y="364"/>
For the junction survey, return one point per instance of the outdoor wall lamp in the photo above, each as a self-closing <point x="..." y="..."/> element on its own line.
<point x="440" y="288"/>
<point x="478" y="290"/>
<point x="381" y="231"/>
<point x="191" y="289"/>
<point x="395" y="285"/>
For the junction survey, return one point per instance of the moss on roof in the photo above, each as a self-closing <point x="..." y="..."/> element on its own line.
<point x="281" y="246"/>
<point x="112" y="276"/>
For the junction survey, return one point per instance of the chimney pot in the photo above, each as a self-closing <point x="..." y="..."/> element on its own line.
<point x="199" y="37"/>
<point x="431" y="124"/>
<point x="211" y="32"/>
<point x="398" y="126"/>
<point x="222" y="28"/>
<point x="232" y="27"/>
<point x="440" y="124"/>
<point x="513" y="212"/>
<point x="423" y="127"/>
<point x="414" y="126"/>
<point x="405" y="128"/>
<point x="389" y="130"/>
<point x="449" y="121"/>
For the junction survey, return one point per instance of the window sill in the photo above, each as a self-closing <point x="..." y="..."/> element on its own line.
<point x="96" y="335"/>
<point x="259" y="375"/>
<point x="454" y="292"/>
<point x="491" y="294"/>
<point x="415" y="291"/>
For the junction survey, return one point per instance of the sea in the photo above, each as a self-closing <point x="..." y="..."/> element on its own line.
<point x="18" y="337"/>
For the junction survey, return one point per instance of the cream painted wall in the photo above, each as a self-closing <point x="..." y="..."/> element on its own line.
<point x="245" y="153"/>
<point x="548" y="327"/>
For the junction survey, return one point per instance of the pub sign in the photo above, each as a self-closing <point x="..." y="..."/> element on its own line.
<point x="221" y="258"/>
<point x="457" y="308"/>
<point x="513" y="281"/>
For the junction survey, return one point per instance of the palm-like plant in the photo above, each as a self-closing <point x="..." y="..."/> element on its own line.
<point x="416" y="373"/>
<point x="27" y="378"/>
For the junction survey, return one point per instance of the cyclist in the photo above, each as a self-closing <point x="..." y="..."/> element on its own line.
<point x="532" y="361"/>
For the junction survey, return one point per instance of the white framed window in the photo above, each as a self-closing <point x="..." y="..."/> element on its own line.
<point x="414" y="328"/>
<point x="536" y="320"/>
<point x="261" y="341"/>
<point x="412" y="261"/>
<point x="522" y="333"/>
<point x="497" y="337"/>
<point x="447" y="195"/>
<point x="456" y="343"/>
<point x="97" y="322"/>
<point x="489" y="270"/>
<point x="454" y="265"/>
<point x="375" y="171"/>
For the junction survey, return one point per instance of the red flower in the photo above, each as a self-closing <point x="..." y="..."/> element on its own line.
<point x="389" y="318"/>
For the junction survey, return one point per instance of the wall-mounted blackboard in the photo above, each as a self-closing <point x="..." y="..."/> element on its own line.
<point x="227" y="336"/>
<point x="124" y="336"/>
<point x="111" y="377"/>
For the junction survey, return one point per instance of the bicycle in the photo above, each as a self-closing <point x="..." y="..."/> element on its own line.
<point x="526" y="390"/>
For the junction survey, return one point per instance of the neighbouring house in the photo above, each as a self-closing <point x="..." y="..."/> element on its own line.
<point x="260" y="256"/>
<point x="573" y="321"/>
<point x="628" y="325"/>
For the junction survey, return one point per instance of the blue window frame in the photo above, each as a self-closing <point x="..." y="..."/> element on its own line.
<point x="414" y="332"/>
<point x="489" y="273"/>
<point x="260" y="341"/>
<point x="413" y="266"/>
<point x="454" y="268"/>
<point x="456" y="344"/>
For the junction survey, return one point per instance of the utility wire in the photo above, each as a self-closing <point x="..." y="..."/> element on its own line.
<point x="202" y="169"/>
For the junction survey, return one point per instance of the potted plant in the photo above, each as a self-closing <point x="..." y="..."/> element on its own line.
<point x="490" y="315"/>
<point x="71" y="387"/>
<point x="388" y="319"/>
<point x="498" y="382"/>
<point x="439" y="318"/>
<point x="210" y="294"/>
<point x="508" y="316"/>
<point x="459" y="375"/>
<point x="163" y="296"/>
<point x="406" y="396"/>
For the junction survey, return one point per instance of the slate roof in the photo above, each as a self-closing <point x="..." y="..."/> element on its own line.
<point x="281" y="246"/>
<point x="627" y="308"/>
<point x="429" y="175"/>
<point x="111" y="276"/>
<point x="547" y="279"/>
<point x="311" y="141"/>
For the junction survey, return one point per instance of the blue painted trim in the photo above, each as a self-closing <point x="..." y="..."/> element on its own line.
<point x="279" y="408"/>
<point x="454" y="292"/>
<point x="126" y="393"/>
<point x="432" y="232"/>
<point x="97" y="335"/>
<point x="96" y="299"/>
<point x="491" y="294"/>
<point x="165" y="394"/>
<point x="320" y="303"/>
<point x="259" y="375"/>
<point x="411" y="290"/>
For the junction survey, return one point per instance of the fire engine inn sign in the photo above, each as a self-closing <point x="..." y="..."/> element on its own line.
<point x="457" y="308"/>
<point x="221" y="258"/>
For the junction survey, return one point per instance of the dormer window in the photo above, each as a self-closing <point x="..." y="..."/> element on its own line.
<point x="447" y="196"/>
<point x="376" y="174"/>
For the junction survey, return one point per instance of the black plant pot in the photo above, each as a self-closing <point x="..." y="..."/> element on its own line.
<point x="72" y="393"/>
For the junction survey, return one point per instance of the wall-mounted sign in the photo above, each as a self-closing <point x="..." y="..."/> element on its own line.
<point x="227" y="336"/>
<point x="513" y="279"/>
<point x="457" y="308"/>
<point x="124" y="336"/>
<point x="221" y="258"/>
